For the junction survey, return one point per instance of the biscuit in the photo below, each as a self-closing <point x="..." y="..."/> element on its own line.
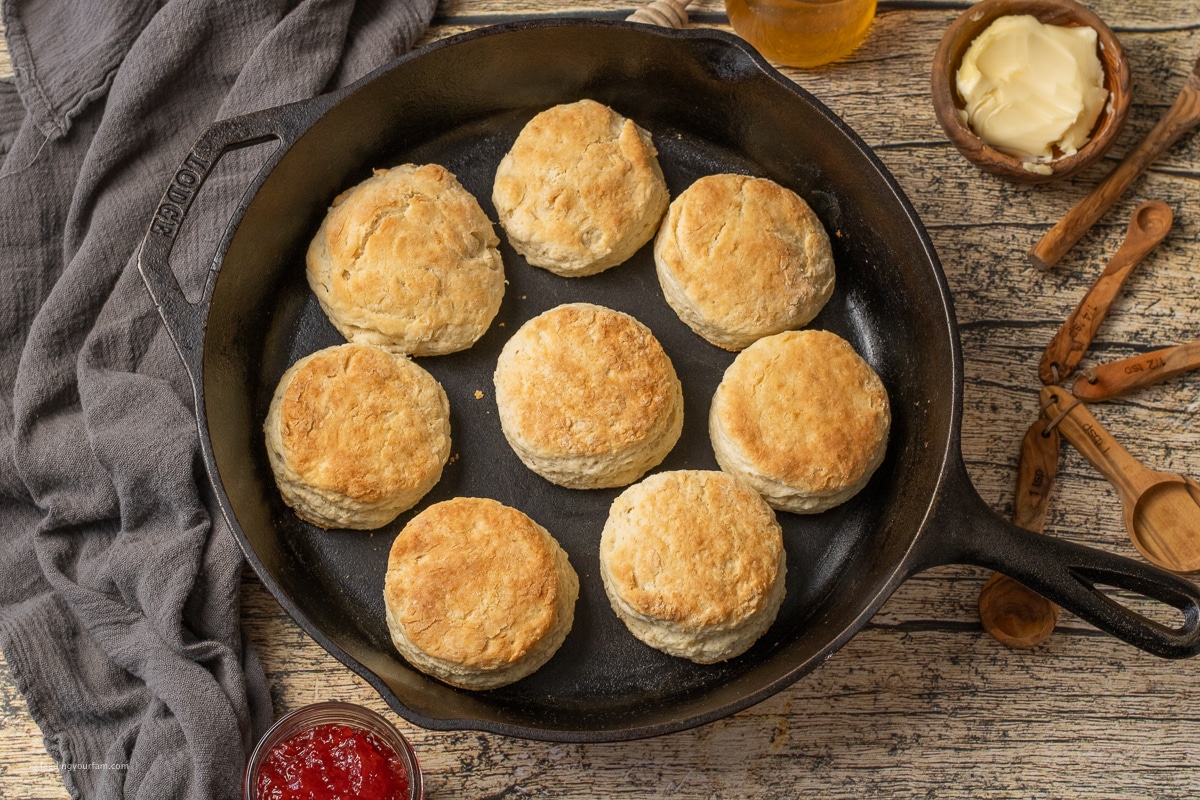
<point x="408" y="261"/>
<point x="587" y="397"/>
<point x="693" y="564"/>
<point x="477" y="594"/>
<point x="802" y="418"/>
<point x="739" y="258"/>
<point x="355" y="435"/>
<point x="581" y="189"/>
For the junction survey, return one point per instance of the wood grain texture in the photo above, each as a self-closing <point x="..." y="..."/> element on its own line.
<point x="922" y="703"/>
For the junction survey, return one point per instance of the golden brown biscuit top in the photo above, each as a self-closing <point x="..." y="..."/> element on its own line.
<point x="746" y="251"/>
<point x="576" y="175"/>
<point x="473" y="582"/>
<point x="406" y="237"/>
<point x="362" y="422"/>
<point x="696" y="548"/>
<point x="805" y="409"/>
<point x="585" y="379"/>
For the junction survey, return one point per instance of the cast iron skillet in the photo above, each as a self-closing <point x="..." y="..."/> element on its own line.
<point x="713" y="106"/>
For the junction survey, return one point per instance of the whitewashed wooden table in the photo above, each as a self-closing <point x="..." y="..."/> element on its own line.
<point x="922" y="703"/>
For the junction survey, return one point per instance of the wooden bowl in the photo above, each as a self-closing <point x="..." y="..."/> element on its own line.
<point x="947" y="103"/>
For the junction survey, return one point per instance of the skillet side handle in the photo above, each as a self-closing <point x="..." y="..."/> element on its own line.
<point x="183" y="319"/>
<point x="965" y="530"/>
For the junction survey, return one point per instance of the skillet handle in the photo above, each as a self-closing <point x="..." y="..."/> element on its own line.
<point x="965" y="530"/>
<point x="184" y="319"/>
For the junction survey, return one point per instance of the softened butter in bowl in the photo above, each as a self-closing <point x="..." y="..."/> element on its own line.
<point x="1032" y="90"/>
<point x="1037" y="113"/>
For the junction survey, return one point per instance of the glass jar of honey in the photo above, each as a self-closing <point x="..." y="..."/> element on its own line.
<point x="801" y="33"/>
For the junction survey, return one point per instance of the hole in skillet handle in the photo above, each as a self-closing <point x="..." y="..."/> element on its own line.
<point x="183" y="316"/>
<point x="963" y="529"/>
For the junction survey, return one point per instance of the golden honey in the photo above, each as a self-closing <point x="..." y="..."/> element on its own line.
<point x="801" y="33"/>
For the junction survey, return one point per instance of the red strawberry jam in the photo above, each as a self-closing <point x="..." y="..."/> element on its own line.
<point x="332" y="762"/>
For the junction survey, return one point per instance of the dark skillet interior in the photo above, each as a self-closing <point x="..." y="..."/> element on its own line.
<point x="711" y="108"/>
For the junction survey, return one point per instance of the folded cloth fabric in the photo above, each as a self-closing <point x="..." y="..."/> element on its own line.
<point x="118" y="578"/>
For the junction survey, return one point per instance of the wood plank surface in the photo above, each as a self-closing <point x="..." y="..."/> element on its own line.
<point x="922" y="703"/>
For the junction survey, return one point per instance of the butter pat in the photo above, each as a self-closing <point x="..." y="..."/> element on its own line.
<point x="1031" y="87"/>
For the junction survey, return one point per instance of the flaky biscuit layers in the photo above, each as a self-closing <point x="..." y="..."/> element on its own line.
<point x="802" y="418"/>
<point x="580" y="190"/>
<point x="587" y="397"/>
<point x="355" y="435"/>
<point x="478" y="594"/>
<point x="693" y="563"/>
<point x="408" y="261"/>
<point x="739" y="258"/>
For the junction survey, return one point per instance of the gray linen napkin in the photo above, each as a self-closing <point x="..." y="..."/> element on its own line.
<point x="118" y="579"/>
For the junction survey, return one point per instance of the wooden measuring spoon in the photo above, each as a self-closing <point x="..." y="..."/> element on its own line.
<point x="1118" y="378"/>
<point x="1011" y="613"/>
<point x="1162" y="510"/>
<point x="1183" y="115"/>
<point x="1148" y="225"/>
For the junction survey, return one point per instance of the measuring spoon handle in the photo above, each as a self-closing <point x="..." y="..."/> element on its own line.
<point x="1149" y="225"/>
<point x="1036" y="470"/>
<point x="1008" y="610"/>
<point x="1183" y="115"/>
<point x="1096" y="444"/>
<point x="1118" y="378"/>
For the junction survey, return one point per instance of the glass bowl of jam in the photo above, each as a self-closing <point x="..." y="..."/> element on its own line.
<point x="333" y="750"/>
